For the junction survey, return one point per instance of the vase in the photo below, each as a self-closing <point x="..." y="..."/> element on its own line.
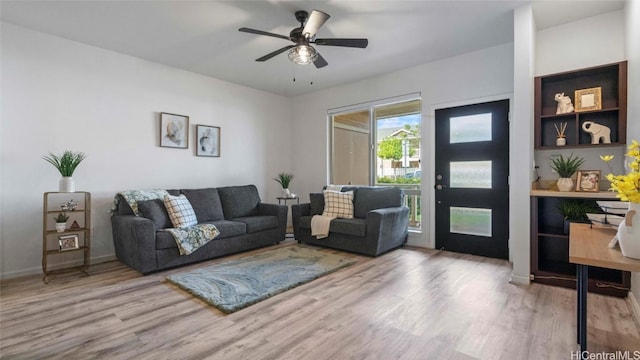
<point x="67" y="184"/>
<point x="286" y="193"/>
<point x="61" y="227"/>
<point x="629" y="232"/>
<point x="565" y="184"/>
<point x="561" y="141"/>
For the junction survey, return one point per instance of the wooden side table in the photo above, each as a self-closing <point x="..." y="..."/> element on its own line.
<point x="588" y="246"/>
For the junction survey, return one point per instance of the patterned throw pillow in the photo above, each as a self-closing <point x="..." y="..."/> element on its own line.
<point x="338" y="204"/>
<point x="180" y="211"/>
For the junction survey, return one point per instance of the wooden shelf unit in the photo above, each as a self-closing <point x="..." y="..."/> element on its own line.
<point x="50" y="208"/>
<point x="611" y="78"/>
<point x="550" y="246"/>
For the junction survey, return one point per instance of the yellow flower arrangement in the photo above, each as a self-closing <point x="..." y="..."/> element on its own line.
<point x="627" y="186"/>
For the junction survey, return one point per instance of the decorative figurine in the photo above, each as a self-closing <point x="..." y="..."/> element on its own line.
<point x="597" y="131"/>
<point x="564" y="104"/>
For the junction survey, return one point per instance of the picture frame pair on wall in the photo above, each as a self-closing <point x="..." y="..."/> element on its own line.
<point x="174" y="133"/>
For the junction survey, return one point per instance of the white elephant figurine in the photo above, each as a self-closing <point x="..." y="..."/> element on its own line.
<point x="597" y="131"/>
<point x="564" y="104"/>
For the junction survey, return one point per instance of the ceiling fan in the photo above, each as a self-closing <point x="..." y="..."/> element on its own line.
<point x="301" y="52"/>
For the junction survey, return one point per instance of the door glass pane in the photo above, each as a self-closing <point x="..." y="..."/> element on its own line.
<point x="471" y="221"/>
<point x="470" y="174"/>
<point x="470" y="128"/>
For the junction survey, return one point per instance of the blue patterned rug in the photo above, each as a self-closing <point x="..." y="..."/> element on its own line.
<point x="236" y="284"/>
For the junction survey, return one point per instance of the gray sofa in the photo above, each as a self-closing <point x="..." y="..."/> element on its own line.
<point x="380" y="221"/>
<point x="243" y="220"/>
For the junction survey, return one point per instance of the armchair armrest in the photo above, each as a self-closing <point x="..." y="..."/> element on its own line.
<point x="280" y="211"/>
<point x="388" y="227"/>
<point x="298" y="210"/>
<point x="134" y="239"/>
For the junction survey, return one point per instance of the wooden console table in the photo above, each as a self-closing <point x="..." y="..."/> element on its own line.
<point x="588" y="246"/>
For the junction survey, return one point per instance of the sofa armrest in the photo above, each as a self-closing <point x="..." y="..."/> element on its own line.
<point x="280" y="211"/>
<point x="134" y="239"/>
<point x="388" y="227"/>
<point x="298" y="210"/>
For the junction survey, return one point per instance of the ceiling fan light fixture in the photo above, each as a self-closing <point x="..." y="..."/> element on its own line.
<point x="303" y="54"/>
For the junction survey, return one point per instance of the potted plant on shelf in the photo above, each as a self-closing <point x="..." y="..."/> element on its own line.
<point x="66" y="165"/>
<point x="575" y="210"/>
<point x="566" y="167"/>
<point x="284" y="179"/>
<point x="61" y="221"/>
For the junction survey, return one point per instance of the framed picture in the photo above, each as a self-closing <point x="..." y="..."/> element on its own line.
<point x="207" y="140"/>
<point x="588" y="180"/>
<point x="174" y="131"/>
<point x="589" y="99"/>
<point x="68" y="242"/>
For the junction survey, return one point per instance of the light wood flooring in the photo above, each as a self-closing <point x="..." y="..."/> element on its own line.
<point x="408" y="304"/>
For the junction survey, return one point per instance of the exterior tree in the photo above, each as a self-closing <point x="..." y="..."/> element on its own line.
<point x="390" y="149"/>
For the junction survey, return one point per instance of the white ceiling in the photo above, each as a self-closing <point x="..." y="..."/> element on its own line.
<point x="203" y="36"/>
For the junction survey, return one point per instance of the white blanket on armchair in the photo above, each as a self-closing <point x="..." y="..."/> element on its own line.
<point x="320" y="226"/>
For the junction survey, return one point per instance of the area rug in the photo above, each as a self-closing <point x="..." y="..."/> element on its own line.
<point x="236" y="284"/>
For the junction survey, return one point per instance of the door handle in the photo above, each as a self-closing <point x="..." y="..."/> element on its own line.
<point x="439" y="187"/>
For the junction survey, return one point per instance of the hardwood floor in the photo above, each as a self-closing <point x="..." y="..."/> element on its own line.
<point x="408" y="304"/>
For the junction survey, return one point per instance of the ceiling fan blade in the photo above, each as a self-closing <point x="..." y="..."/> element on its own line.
<point x="277" y="52"/>
<point x="356" y="43"/>
<point x="320" y="62"/>
<point x="315" y="21"/>
<point x="260" y="32"/>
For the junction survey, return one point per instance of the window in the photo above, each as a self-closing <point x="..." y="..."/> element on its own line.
<point x="380" y="144"/>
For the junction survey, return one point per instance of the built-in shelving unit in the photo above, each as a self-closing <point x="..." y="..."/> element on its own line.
<point x="611" y="78"/>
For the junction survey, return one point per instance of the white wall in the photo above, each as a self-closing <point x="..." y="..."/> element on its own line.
<point x="480" y="74"/>
<point x="632" y="47"/>
<point x="59" y="94"/>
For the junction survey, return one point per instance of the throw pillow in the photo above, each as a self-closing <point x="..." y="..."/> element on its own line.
<point x="155" y="211"/>
<point x="338" y="204"/>
<point x="180" y="211"/>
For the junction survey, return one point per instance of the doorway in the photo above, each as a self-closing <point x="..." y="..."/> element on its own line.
<point x="472" y="179"/>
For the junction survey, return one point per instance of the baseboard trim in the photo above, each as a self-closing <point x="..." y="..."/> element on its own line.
<point x="38" y="270"/>
<point x="519" y="280"/>
<point x="635" y="307"/>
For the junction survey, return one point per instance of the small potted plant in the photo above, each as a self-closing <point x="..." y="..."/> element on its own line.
<point x="284" y="179"/>
<point x="566" y="167"/>
<point x="66" y="165"/>
<point x="575" y="210"/>
<point x="61" y="221"/>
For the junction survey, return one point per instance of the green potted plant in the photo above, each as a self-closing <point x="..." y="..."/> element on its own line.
<point x="66" y="165"/>
<point x="575" y="210"/>
<point x="61" y="221"/>
<point x="284" y="179"/>
<point x="566" y="167"/>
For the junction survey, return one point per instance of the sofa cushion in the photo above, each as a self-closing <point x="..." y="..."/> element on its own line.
<point x="316" y="201"/>
<point x="229" y="228"/>
<point x="355" y="227"/>
<point x="258" y="223"/>
<point x="239" y="201"/>
<point x="371" y="198"/>
<point x="180" y="211"/>
<point x="155" y="211"/>
<point x="206" y="204"/>
<point x="338" y="204"/>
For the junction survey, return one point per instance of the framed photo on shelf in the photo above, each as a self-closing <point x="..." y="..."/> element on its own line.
<point x="68" y="242"/>
<point x="588" y="180"/>
<point x="174" y="131"/>
<point x="589" y="99"/>
<point x="207" y="140"/>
